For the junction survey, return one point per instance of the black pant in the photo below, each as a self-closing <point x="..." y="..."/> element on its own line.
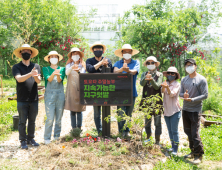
<point x="27" y="110"/>
<point x="191" y="124"/>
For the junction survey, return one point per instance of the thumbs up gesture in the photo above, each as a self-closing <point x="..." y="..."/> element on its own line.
<point x="148" y="76"/>
<point x="34" y="72"/>
<point x="105" y="61"/>
<point x="186" y="95"/>
<point x="164" y="84"/>
<point x="124" y="64"/>
<point x="75" y="67"/>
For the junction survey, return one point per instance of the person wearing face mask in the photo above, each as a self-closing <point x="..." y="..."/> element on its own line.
<point x="127" y="65"/>
<point x="54" y="95"/>
<point x="194" y="90"/>
<point x="172" y="109"/>
<point x="27" y="75"/>
<point x="151" y="81"/>
<point x="74" y="66"/>
<point x="96" y="65"/>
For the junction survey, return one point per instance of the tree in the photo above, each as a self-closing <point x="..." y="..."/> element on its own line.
<point x="162" y="29"/>
<point x="47" y="25"/>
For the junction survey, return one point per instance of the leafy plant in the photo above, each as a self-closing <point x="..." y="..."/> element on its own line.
<point x="75" y="132"/>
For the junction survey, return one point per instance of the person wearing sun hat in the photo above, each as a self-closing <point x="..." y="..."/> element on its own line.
<point x="74" y="66"/>
<point x="27" y="75"/>
<point x="127" y="65"/>
<point x="151" y="81"/>
<point x="96" y="65"/>
<point x="172" y="109"/>
<point x="54" y="95"/>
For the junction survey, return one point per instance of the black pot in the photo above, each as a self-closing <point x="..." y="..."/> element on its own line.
<point x="15" y="122"/>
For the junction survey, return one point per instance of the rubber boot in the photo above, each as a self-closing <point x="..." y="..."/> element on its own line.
<point x="157" y="138"/>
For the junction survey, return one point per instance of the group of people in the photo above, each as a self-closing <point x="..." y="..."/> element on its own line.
<point x="193" y="90"/>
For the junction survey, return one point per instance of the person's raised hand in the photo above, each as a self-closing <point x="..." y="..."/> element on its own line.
<point x="164" y="84"/>
<point x="125" y="64"/>
<point x="57" y="72"/>
<point x="186" y="95"/>
<point x="34" y="72"/>
<point x="75" y="67"/>
<point x="148" y="76"/>
<point x="105" y="61"/>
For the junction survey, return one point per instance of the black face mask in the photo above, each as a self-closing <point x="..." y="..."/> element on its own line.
<point x="98" y="53"/>
<point x="26" y="56"/>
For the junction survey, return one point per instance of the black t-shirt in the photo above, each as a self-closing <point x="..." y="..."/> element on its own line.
<point x="27" y="90"/>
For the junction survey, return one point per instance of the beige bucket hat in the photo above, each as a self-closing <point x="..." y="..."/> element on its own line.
<point x="17" y="51"/>
<point x="153" y="59"/>
<point x="125" y="47"/>
<point x="173" y="70"/>
<point x="53" y="53"/>
<point x="97" y="43"/>
<point x="75" y="49"/>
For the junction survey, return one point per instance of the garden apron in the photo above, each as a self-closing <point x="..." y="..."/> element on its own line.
<point x="72" y="98"/>
<point x="54" y="107"/>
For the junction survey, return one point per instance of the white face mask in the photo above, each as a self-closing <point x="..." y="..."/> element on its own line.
<point x="75" y="58"/>
<point x="127" y="56"/>
<point x="151" y="67"/>
<point x="54" y="61"/>
<point x="190" y="69"/>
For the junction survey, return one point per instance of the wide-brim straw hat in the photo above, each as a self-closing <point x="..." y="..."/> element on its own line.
<point x="98" y="43"/>
<point x="46" y="58"/>
<point x="125" y="47"/>
<point x="17" y="52"/>
<point x="173" y="70"/>
<point x="75" y="49"/>
<point x="153" y="59"/>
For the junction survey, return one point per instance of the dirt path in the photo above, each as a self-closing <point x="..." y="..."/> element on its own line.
<point x="11" y="148"/>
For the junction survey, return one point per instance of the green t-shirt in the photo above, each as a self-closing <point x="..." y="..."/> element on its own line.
<point x="47" y="72"/>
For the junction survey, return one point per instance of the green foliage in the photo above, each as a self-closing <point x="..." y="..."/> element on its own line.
<point x="68" y="138"/>
<point x="208" y="69"/>
<point x="214" y="100"/>
<point x="162" y="29"/>
<point x="212" y="140"/>
<point x="75" y="133"/>
<point x="46" y="25"/>
<point x="217" y="119"/>
<point x="176" y="163"/>
<point x="7" y="110"/>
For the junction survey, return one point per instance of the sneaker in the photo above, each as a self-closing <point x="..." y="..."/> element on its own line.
<point x="56" y="138"/>
<point x="197" y="159"/>
<point x="174" y="153"/>
<point x="170" y="150"/>
<point x="24" y="145"/>
<point x="189" y="156"/>
<point x="47" y="142"/>
<point x="32" y="142"/>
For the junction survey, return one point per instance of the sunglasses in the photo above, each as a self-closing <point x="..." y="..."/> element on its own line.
<point x="149" y="63"/>
<point x="172" y="73"/>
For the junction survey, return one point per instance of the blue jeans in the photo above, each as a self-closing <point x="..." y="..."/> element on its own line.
<point x="27" y="110"/>
<point x="128" y="110"/>
<point x="76" y="122"/>
<point x="172" y="123"/>
<point x="157" y="123"/>
<point x="97" y="118"/>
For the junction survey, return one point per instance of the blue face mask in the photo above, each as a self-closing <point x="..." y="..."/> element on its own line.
<point x="171" y="78"/>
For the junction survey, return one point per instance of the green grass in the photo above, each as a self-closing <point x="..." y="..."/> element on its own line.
<point x="212" y="140"/>
<point x="217" y="119"/>
<point x="9" y="82"/>
<point x="175" y="163"/>
<point x="7" y="110"/>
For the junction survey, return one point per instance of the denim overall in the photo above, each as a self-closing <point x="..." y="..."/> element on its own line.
<point x="54" y="107"/>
